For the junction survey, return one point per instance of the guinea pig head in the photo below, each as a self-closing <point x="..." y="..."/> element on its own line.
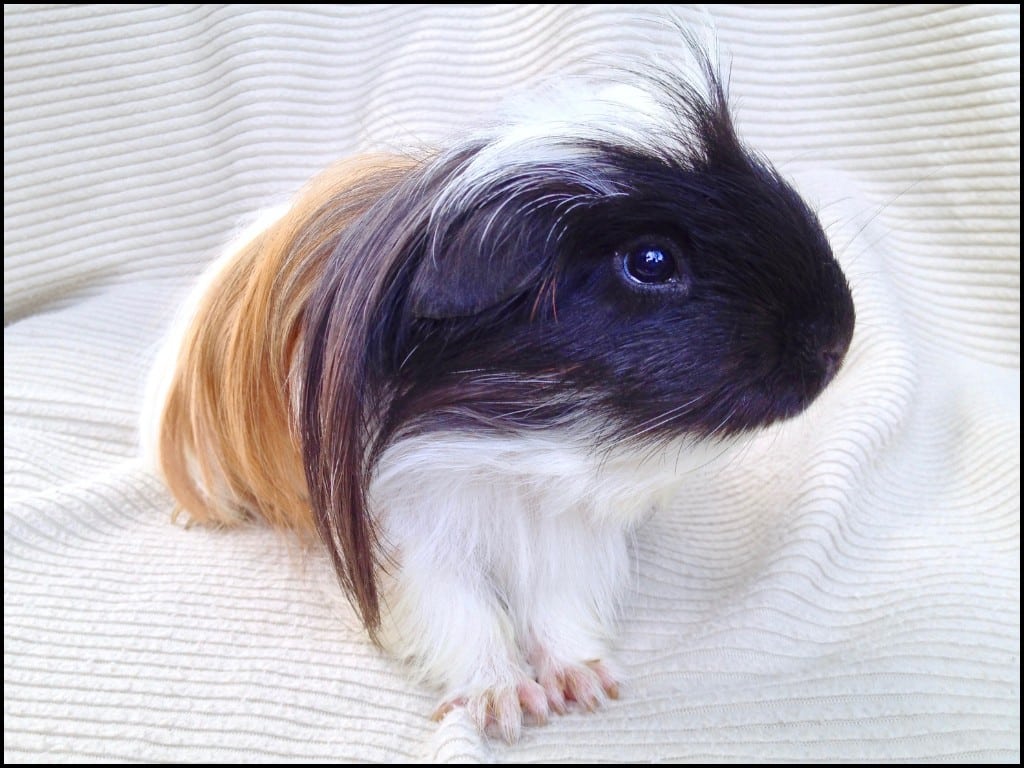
<point x="664" y="281"/>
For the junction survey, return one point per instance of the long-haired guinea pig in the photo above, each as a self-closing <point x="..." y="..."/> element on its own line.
<point x="472" y="375"/>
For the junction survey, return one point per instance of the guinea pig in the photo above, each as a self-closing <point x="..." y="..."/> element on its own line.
<point x="471" y="375"/>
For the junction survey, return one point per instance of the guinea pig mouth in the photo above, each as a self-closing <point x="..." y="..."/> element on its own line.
<point x="797" y="384"/>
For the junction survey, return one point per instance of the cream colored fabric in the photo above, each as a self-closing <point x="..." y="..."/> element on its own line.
<point x="846" y="588"/>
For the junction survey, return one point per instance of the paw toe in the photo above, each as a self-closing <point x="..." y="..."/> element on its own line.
<point x="608" y="680"/>
<point x="588" y="684"/>
<point x="500" y="710"/>
<point x="533" y="701"/>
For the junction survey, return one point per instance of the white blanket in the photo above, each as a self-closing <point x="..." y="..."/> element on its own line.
<point x="846" y="588"/>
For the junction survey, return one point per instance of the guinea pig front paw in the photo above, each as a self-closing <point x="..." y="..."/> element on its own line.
<point x="501" y="709"/>
<point x="587" y="683"/>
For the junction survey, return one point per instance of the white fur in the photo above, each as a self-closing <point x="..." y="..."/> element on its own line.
<point x="549" y="139"/>
<point x="511" y="552"/>
<point x="548" y="134"/>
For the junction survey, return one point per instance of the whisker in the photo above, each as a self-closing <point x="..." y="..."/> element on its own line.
<point x="881" y="208"/>
<point x="654" y="422"/>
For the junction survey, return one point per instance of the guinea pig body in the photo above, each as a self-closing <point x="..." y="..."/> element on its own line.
<point x="472" y="375"/>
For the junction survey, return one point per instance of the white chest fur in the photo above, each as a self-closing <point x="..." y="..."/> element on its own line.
<point x="510" y="558"/>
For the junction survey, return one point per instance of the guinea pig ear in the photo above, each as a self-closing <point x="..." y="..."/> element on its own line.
<point x="465" y="277"/>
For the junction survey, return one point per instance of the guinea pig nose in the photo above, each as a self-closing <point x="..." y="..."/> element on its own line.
<point x="829" y="363"/>
<point x="831" y="357"/>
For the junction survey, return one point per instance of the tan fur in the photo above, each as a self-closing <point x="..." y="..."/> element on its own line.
<point x="227" y="446"/>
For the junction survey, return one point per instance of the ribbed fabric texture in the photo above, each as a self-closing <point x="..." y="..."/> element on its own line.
<point x="847" y="587"/>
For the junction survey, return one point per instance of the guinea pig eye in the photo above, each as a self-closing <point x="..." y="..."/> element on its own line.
<point x="650" y="263"/>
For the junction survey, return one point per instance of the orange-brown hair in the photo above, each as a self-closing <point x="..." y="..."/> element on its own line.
<point x="227" y="444"/>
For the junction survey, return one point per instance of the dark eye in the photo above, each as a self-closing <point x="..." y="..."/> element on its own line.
<point x="647" y="263"/>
